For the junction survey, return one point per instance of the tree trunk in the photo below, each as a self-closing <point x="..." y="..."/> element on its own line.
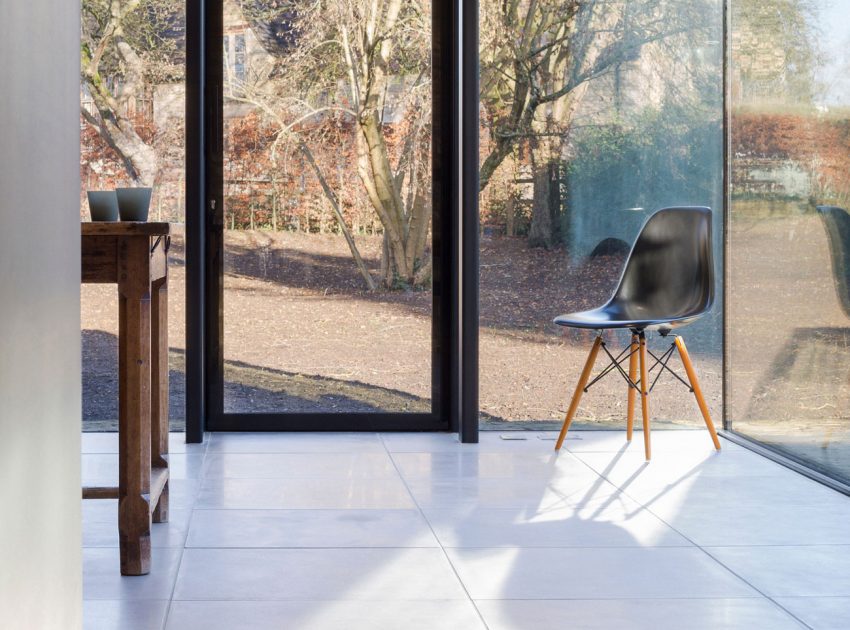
<point x="510" y="216"/>
<point x="368" y="56"/>
<point x="352" y="246"/>
<point x="113" y="123"/>
<point x="546" y="207"/>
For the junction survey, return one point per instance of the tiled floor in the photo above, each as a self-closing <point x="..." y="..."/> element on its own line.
<point x="416" y="531"/>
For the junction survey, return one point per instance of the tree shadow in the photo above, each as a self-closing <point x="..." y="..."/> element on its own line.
<point x="247" y="389"/>
<point x="800" y="403"/>
<point x="521" y="289"/>
<point x="100" y="383"/>
<point x="565" y="518"/>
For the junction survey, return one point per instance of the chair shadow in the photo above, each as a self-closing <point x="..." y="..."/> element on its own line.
<point x="588" y="519"/>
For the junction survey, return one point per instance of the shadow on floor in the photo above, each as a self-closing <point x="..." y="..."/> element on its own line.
<point x="248" y="389"/>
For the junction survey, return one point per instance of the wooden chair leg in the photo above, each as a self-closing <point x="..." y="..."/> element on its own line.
<point x="692" y="377"/>
<point x="644" y="397"/>
<point x="633" y="361"/>
<point x="582" y="382"/>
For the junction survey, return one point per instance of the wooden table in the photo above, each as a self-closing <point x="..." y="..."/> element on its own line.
<point x="133" y="256"/>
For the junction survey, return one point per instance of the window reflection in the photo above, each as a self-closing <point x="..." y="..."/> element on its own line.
<point x="593" y="115"/>
<point x="788" y="325"/>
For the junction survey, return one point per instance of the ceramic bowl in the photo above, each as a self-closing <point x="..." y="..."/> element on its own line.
<point x="103" y="205"/>
<point x="133" y="203"/>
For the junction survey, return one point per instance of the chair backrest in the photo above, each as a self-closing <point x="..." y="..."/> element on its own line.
<point x="670" y="271"/>
<point x="837" y="223"/>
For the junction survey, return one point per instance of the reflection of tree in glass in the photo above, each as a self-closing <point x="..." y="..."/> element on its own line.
<point x="540" y="62"/>
<point x="776" y="51"/>
<point x="341" y="90"/>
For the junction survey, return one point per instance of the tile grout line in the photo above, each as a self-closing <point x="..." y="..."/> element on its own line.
<point x="434" y="534"/>
<point x="201" y="475"/>
<point x="688" y="538"/>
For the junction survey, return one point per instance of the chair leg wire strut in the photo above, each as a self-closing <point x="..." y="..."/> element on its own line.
<point x="636" y="353"/>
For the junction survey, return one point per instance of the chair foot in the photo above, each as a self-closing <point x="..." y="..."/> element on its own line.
<point x="644" y="396"/>
<point x="633" y="361"/>
<point x="692" y="377"/>
<point x="582" y="382"/>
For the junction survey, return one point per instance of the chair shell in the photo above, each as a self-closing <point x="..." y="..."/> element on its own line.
<point x="837" y="224"/>
<point x="668" y="279"/>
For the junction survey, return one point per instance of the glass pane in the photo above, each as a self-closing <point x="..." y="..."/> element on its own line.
<point x="788" y="328"/>
<point x="132" y="134"/>
<point x="327" y="304"/>
<point x="625" y="118"/>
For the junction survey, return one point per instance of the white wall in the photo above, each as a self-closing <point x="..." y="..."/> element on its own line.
<point x="40" y="539"/>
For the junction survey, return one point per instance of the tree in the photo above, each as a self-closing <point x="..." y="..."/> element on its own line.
<point x="538" y="58"/>
<point x="364" y="61"/>
<point x="776" y="44"/>
<point x="127" y="47"/>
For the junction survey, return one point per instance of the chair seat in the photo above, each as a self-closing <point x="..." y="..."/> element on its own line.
<point x="609" y="316"/>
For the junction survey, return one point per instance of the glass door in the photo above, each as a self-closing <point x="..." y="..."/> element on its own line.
<point x="322" y="260"/>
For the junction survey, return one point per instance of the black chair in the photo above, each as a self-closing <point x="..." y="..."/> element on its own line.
<point x="837" y="223"/>
<point x="668" y="281"/>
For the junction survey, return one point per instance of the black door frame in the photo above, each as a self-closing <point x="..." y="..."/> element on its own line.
<point x="455" y="237"/>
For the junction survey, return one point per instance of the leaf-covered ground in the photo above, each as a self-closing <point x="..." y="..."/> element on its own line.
<point x="301" y="335"/>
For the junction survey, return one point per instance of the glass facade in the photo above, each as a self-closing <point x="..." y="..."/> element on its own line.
<point x="593" y="116"/>
<point x="788" y="320"/>
<point x="132" y="111"/>
<point x="327" y="207"/>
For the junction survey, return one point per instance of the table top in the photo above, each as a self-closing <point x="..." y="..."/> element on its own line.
<point x="125" y="228"/>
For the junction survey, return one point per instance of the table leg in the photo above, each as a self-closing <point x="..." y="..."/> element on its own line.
<point x="159" y="385"/>
<point x="134" y="438"/>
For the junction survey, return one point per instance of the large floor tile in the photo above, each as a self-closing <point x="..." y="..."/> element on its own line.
<point x="529" y="493"/>
<point x="637" y="614"/>
<point x="100" y="442"/>
<point x="820" y="613"/>
<point x="490" y="465"/>
<point x="102" y="577"/>
<point x="712" y="521"/>
<point x="791" y="571"/>
<point x="681" y="465"/>
<point x="108" y="443"/>
<point x="489" y="441"/>
<point x="677" y="480"/>
<point x="325" y="615"/>
<point x="295" y="443"/>
<point x="183" y="493"/>
<point x="663" y="441"/>
<point x="310" y="528"/>
<point x="185" y="465"/>
<point x="715" y="509"/>
<point x="298" y="465"/>
<point x="264" y="494"/>
<point x="596" y="573"/>
<point x="328" y="574"/>
<point x="124" y="614"/>
<point x="101" y="469"/>
<point x="620" y="523"/>
<point x="737" y="472"/>
<point x="100" y="525"/>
